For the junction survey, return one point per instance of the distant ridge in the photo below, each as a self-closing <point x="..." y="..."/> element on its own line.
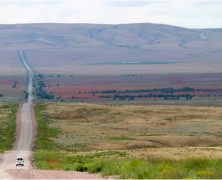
<point x="96" y="43"/>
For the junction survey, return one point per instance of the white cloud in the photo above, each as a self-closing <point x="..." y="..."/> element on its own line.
<point x="187" y="13"/>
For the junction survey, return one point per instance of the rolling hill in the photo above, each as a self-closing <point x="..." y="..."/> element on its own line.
<point x="53" y="47"/>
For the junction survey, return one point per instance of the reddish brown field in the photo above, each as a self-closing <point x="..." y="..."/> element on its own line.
<point x="11" y="86"/>
<point x="83" y="87"/>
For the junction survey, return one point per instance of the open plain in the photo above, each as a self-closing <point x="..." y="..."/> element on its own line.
<point x="89" y="127"/>
<point x="121" y="70"/>
<point x="131" y="141"/>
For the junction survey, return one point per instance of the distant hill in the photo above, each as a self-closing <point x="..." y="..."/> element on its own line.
<point x="125" y="43"/>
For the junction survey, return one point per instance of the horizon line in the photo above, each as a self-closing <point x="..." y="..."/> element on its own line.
<point x="107" y="24"/>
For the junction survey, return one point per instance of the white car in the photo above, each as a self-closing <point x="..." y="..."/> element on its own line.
<point x="19" y="162"/>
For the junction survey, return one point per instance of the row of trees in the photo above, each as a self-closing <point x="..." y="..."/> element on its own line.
<point x="39" y="88"/>
<point x="169" y="90"/>
<point x="14" y="84"/>
<point x="133" y="97"/>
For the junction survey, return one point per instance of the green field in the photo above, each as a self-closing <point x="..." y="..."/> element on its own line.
<point x="7" y="126"/>
<point x="113" y="163"/>
<point x="108" y="139"/>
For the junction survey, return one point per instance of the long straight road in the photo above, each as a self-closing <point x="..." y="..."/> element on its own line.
<point x="24" y="138"/>
<point x="23" y="144"/>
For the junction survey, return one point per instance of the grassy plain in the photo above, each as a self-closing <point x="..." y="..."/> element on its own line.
<point x="7" y="126"/>
<point x="130" y="141"/>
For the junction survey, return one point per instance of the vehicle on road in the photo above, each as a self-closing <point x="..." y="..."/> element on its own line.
<point x="19" y="162"/>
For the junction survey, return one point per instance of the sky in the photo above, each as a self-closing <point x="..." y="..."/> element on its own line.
<point x="184" y="13"/>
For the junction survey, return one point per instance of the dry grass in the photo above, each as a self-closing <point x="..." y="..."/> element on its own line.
<point x="86" y="127"/>
<point x="136" y="142"/>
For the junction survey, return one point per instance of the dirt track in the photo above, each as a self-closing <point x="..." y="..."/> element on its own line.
<point x="24" y="137"/>
<point x="23" y="145"/>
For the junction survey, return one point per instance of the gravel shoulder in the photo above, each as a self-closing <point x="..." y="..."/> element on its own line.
<point x="49" y="174"/>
